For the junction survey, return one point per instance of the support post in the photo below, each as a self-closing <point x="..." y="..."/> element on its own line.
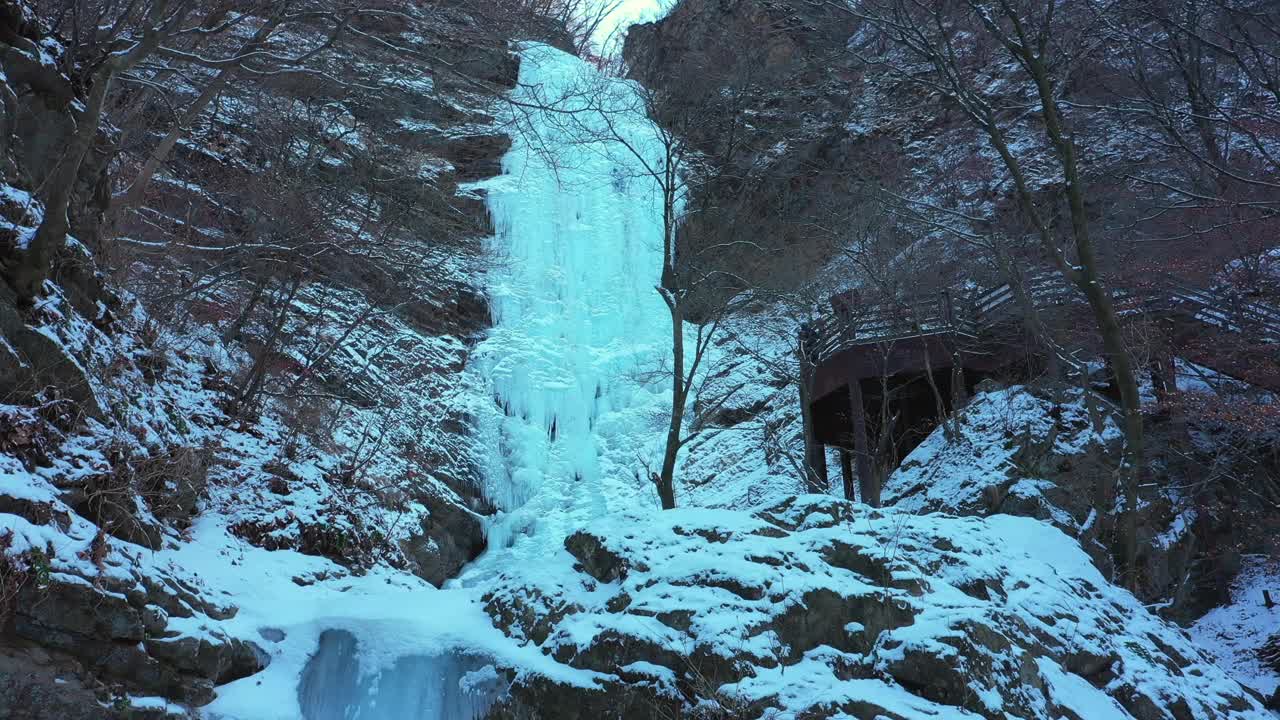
<point x="868" y="487"/>
<point x="959" y="390"/>
<point x="815" y="460"/>
<point x="815" y="455"/>
<point x="846" y="473"/>
<point x="1164" y="369"/>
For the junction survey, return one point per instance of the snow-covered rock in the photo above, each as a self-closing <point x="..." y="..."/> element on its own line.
<point x="1013" y="443"/>
<point x="1039" y="451"/>
<point x="818" y="607"/>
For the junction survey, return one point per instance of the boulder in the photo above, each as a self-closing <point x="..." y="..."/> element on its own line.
<point x="35" y="686"/>
<point x="70" y="610"/>
<point x="595" y="558"/>
<point x="219" y="658"/>
<point x="449" y="536"/>
<point x="119" y="633"/>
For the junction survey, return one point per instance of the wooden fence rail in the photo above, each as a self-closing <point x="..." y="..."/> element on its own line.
<point x="970" y="315"/>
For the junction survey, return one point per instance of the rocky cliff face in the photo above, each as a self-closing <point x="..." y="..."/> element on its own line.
<point x="801" y="154"/>
<point x="833" y="126"/>
<point x="118" y="423"/>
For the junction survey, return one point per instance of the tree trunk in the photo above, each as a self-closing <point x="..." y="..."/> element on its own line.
<point x="1085" y="275"/>
<point x="253" y="383"/>
<point x="846" y="474"/>
<point x="33" y="265"/>
<point x="815" y="456"/>
<point x="952" y="433"/>
<point x="160" y="153"/>
<point x="669" y="287"/>
<point x="666" y="478"/>
<point x="32" y="268"/>
<point x="233" y="332"/>
<point x="1130" y="403"/>
<point x="133" y="196"/>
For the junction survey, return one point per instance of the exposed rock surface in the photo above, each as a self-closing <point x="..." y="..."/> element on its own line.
<point x="119" y="634"/>
<point x="116" y="434"/>
<point x="817" y="607"/>
<point x="795" y="152"/>
<point x="37" y="121"/>
<point x="34" y="685"/>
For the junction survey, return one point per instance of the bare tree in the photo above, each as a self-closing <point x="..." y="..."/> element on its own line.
<point x="109" y="39"/>
<point x="1204" y="79"/>
<point x="939" y="48"/>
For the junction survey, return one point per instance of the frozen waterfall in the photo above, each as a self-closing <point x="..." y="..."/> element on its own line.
<point x="569" y="394"/>
<point x="580" y="333"/>
<point x="570" y="397"/>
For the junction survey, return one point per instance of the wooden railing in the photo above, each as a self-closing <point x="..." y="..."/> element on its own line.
<point x="971" y="315"/>
<point x="940" y="313"/>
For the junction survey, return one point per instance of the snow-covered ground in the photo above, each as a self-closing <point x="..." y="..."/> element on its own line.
<point x="1233" y="633"/>
<point x="287" y="601"/>
<point x="998" y="426"/>
<point x="955" y="618"/>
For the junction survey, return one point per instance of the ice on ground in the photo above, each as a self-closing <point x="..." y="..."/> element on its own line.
<point x="403" y="627"/>
<point x="416" y="686"/>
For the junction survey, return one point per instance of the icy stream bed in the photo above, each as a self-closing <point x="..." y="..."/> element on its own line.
<point x="453" y="686"/>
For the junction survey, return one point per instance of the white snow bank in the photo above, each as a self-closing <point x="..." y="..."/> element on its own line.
<point x="818" y="604"/>
<point x="950" y="476"/>
<point x="287" y="601"/>
<point x="1233" y="633"/>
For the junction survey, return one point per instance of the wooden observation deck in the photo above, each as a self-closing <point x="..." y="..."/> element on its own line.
<point x="863" y="355"/>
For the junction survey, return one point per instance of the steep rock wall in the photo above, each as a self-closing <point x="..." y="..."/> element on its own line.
<point x="118" y="433"/>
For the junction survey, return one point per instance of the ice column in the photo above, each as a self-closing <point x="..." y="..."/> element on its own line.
<point x="579" y="329"/>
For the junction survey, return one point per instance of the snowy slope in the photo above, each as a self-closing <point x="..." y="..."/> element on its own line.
<point x="822" y="608"/>
<point x="1233" y="634"/>
<point x="997" y="450"/>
